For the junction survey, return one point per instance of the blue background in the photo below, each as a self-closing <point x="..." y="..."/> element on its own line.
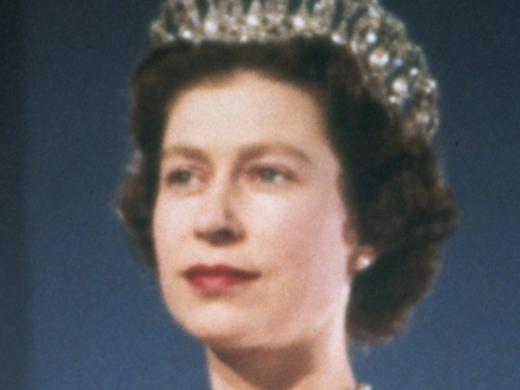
<point x="78" y="313"/>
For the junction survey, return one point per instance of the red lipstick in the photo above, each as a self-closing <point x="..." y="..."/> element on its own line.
<point x="214" y="279"/>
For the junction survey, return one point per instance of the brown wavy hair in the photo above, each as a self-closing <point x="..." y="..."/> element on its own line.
<point x="392" y="181"/>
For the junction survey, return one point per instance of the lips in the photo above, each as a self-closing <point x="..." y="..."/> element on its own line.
<point x="218" y="278"/>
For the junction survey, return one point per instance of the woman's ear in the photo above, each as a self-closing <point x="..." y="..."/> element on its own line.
<point x="362" y="257"/>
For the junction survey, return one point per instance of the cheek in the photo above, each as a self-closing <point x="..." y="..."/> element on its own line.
<point x="305" y="230"/>
<point x="169" y="227"/>
<point x="162" y="229"/>
<point x="306" y="260"/>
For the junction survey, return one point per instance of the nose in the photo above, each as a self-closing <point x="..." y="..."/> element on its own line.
<point x="217" y="223"/>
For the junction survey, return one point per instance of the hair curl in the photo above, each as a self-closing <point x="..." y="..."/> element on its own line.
<point x="392" y="181"/>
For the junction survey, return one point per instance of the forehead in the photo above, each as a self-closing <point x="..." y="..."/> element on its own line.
<point x="244" y="108"/>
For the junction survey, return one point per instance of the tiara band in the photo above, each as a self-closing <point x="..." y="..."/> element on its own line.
<point x="395" y="69"/>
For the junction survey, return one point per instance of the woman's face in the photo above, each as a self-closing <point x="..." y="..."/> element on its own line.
<point x="251" y="234"/>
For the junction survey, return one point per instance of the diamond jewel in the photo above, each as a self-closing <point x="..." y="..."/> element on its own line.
<point x="427" y="85"/>
<point x="253" y="20"/>
<point x="338" y="39"/>
<point x="379" y="57"/>
<point x="398" y="62"/>
<point x="299" y="23"/>
<point x="210" y="26"/>
<point x="186" y="34"/>
<point x="371" y="37"/>
<point x="400" y="86"/>
<point x="422" y="117"/>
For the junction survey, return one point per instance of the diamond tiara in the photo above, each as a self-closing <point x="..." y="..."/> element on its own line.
<point x="394" y="68"/>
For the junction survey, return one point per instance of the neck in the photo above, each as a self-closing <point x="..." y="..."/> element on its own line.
<point x="321" y="363"/>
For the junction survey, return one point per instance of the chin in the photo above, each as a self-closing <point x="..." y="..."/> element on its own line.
<point x="220" y="327"/>
<point x="230" y="337"/>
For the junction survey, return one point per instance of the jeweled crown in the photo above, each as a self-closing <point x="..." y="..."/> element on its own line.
<point x="394" y="68"/>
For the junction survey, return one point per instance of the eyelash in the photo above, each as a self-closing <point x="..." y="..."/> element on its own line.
<point x="257" y="172"/>
<point x="172" y="177"/>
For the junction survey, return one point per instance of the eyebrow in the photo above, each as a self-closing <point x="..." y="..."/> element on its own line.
<point x="246" y="153"/>
<point x="183" y="151"/>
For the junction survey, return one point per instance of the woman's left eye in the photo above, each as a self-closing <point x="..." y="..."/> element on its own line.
<point x="268" y="174"/>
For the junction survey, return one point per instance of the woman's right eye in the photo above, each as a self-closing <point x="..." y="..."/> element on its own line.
<point x="179" y="177"/>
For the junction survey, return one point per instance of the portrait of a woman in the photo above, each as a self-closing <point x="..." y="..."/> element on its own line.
<point x="259" y="195"/>
<point x="283" y="186"/>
